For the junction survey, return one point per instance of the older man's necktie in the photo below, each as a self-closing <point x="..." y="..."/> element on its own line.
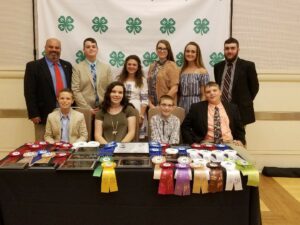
<point x="226" y="83"/>
<point x="59" y="82"/>
<point x="217" y="127"/>
<point x="94" y="76"/>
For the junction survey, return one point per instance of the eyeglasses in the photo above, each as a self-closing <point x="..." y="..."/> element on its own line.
<point x="166" y="105"/>
<point x="162" y="49"/>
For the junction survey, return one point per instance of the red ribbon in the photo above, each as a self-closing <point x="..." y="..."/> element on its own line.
<point x="166" y="182"/>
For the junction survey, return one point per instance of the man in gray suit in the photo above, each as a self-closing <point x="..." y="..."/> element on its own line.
<point x="90" y="78"/>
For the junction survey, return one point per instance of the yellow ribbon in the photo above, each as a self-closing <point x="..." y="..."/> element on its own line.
<point x="157" y="160"/>
<point x="200" y="177"/>
<point x="109" y="180"/>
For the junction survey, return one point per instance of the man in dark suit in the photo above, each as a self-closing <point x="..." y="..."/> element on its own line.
<point x="41" y="81"/>
<point x="199" y="124"/>
<point x="238" y="80"/>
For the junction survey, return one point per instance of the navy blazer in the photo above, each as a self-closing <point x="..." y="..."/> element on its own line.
<point x="195" y="125"/>
<point x="244" y="89"/>
<point x="39" y="90"/>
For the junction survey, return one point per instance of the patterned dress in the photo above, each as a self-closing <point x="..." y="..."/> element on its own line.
<point x="136" y="97"/>
<point x="190" y="84"/>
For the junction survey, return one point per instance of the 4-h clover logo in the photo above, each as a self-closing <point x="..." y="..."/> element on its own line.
<point x="133" y="25"/>
<point x="215" y="58"/>
<point x="117" y="58"/>
<point x="79" y="56"/>
<point x="43" y="53"/>
<point x="179" y="58"/>
<point x="65" y="23"/>
<point x="201" y="26"/>
<point x="100" y="24"/>
<point x="167" y="26"/>
<point x="149" y="58"/>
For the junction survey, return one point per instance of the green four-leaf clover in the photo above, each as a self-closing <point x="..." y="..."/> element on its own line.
<point x="179" y="58"/>
<point x="117" y="58"/>
<point x="149" y="58"/>
<point x="215" y="58"/>
<point x="167" y="26"/>
<point x="100" y="24"/>
<point x="79" y="56"/>
<point x="133" y="25"/>
<point x="65" y="23"/>
<point x="201" y="26"/>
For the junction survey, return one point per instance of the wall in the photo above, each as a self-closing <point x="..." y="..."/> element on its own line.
<point x="269" y="35"/>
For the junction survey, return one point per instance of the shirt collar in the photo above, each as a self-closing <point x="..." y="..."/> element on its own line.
<point x="220" y="106"/>
<point x="50" y="63"/>
<point x="62" y="116"/>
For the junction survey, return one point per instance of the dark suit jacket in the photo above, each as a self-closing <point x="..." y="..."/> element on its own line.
<point x="244" y="89"/>
<point x="39" y="91"/>
<point x="195" y="125"/>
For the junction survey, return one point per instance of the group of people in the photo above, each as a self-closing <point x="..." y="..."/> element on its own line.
<point x="215" y="111"/>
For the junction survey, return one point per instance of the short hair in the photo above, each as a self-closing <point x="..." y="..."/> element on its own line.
<point x="93" y="40"/>
<point x="66" y="90"/>
<point x="168" y="46"/>
<point x="168" y="97"/>
<point x="232" y="40"/>
<point x="211" y="84"/>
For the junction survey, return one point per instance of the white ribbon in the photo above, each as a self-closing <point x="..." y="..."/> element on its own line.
<point x="233" y="177"/>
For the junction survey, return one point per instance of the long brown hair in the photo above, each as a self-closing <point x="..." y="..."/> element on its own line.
<point x="168" y="46"/>
<point x="139" y="75"/>
<point x="198" y="60"/>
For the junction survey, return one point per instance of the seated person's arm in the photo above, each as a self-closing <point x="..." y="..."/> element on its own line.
<point x="83" y="134"/>
<point x="99" y="132"/>
<point x="154" y="129"/>
<point x="49" y="132"/>
<point x="131" y="129"/>
<point x="174" y="138"/>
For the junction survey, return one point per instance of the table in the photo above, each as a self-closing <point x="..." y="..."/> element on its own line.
<point x="43" y="197"/>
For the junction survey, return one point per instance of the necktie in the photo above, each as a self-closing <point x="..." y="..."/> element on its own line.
<point x="59" y="82"/>
<point x="217" y="127"/>
<point x="94" y="76"/>
<point x="226" y="83"/>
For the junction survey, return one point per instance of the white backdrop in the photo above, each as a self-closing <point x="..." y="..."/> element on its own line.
<point x="124" y="27"/>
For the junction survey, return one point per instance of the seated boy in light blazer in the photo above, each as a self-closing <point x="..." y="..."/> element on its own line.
<point x="65" y="124"/>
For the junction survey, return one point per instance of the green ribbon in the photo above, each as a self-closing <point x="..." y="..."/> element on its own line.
<point x="249" y="170"/>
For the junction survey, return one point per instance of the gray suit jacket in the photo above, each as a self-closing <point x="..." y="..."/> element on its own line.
<point x="83" y="85"/>
<point x="77" y="127"/>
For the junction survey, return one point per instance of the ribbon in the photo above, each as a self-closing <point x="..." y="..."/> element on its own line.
<point x="218" y="155"/>
<point x="157" y="160"/>
<point x="109" y="180"/>
<point x="201" y="176"/>
<point x="209" y="147"/>
<point x="98" y="170"/>
<point x="27" y="157"/>
<point x="215" y="177"/>
<point x="154" y="151"/>
<point x="230" y="154"/>
<point x="183" y="177"/>
<point x="60" y="157"/>
<point x="166" y="182"/>
<point x="182" y="151"/>
<point x="205" y="154"/>
<point x="107" y="150"/>
<point x="38" y="156"/>
<point x="12" y="157"/>
<point x="193" y="153"/>
<point x="172" y="152"/>
<point x="249" y="170"/>
<point x="222" y="147"/>
<point x="46" y="157"/>
<point x="184" y="160"/>
<point x="164" y="146"/>
<point x="233" y="177"/>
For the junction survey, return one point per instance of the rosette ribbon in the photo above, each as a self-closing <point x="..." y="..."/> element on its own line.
<point x="12" y="157"/>
<point x="166" y="182"/>
<point x="46" y="157"/>
<point x="109" y="180"/>
<point x="233" y="177"/>
<point x="201" y="176"/>
<point x="28" y="157"/>
<point x="60" y="157"/>
<point x="98" y="170"/>
<point x="183" y="177"/>
<point x="38" y="156"/>
<point x="249" y="170"/>
<point x="215" y="177"/>
<point x="157" y="160"/>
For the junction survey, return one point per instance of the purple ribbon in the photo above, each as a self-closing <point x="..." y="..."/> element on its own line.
<point x="182" y="186"/>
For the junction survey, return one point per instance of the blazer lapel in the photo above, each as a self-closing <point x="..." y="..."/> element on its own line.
<point x="71" y="125"/>
<point x="58" y="123"/>
<point x="88" y="73"/>
<point x="236" y="73"/>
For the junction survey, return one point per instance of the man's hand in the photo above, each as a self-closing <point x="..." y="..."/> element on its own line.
<point x="237" y="142"/>
<point x="36" y="120"/>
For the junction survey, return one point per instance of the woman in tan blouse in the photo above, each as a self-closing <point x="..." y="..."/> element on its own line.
<point x="163" y="75"/>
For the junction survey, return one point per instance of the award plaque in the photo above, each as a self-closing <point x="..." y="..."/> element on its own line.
<point x="14" y="165"/>
<point x="87" y="150"/>
<point x="84" y="156"/>
<point x="77" y="165"/>
<point x="134" y="162"/>
<point x="138" y="147"/>
<point x="43" y="166"/>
